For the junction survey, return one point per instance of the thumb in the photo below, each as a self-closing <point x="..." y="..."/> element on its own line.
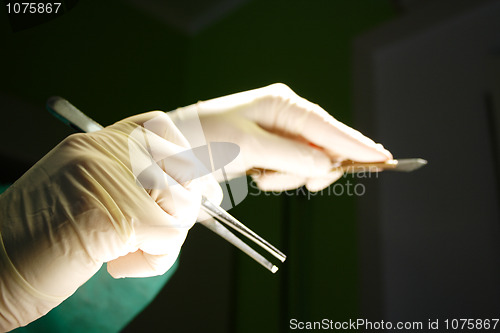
<point x="141" y="264"/>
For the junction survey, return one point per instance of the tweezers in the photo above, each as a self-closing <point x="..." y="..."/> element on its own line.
<point x="71" y="116"/>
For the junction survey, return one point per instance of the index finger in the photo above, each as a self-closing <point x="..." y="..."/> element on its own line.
<point x="300" y="118"/>
<point x="295" y="116"/>
<point x="337" y="138"/>
<point x="159" y="123"/>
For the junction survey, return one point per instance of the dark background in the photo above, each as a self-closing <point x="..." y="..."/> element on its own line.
<point x="373" y="256"/>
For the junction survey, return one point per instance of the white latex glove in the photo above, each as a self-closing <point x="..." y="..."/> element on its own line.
<point x="85" y="203"/>
<point x="278" y="130"/>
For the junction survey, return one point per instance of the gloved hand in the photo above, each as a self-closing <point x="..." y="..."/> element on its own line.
<point x="109" y="196"/>
<point x="278" y="130"/>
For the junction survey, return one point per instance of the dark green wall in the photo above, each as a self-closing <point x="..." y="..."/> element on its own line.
<point x="109" y="59"/>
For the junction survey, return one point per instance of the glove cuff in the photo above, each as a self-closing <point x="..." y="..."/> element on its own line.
<point x="20" y="303"/>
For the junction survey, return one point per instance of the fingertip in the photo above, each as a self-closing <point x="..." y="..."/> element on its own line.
<point x="141" y="264"/>
<point x="320" y="183"/>
<point x="210" y="188"/>
<point x="385" y="152"/>
<point x="277" y="181"/>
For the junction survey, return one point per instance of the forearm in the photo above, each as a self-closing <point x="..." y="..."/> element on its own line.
<point x="35" y="275"/>
<point x="47" y="241"/>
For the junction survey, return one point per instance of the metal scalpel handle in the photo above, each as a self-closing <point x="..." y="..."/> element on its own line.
<point x="403" y="165"/>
